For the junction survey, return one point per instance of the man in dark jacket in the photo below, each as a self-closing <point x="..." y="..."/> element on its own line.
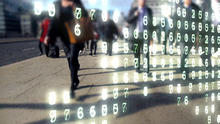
<point x="189" y="25"/>
<point x="110" y="30"/>
<point x="140" y="19"/>
<point x="64" y="13"/>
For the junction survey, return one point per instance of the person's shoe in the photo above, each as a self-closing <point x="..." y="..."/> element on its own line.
<point x="78" y="68"/>
<point x="179" y="70"/>
<point x="72" y="93"/>
<point x="76" y="84"/>
<point x="149" y="74"/>
<point x="138" y="70"/>
<point x="90" y="54"/>
<point x="40" y="54"/>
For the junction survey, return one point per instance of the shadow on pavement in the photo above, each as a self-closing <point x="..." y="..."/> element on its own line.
<point x="126" y="106"/>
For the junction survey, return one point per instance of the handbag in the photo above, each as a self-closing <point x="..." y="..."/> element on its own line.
<point x="80" y="30"/>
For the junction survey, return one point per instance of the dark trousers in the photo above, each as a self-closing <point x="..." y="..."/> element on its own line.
<point x="109" y="47"/>
<point x="40" y="47"/>
<point x="72" y="53"/>
<point x="166" y="37"/>
<point x="87" y="44"/>
<point x="93" y="45"/>
<point x="40" y="44"/>
<point x="74" y="63"/>
<point x="185" y="48"/>
<point x="138" y="46"/>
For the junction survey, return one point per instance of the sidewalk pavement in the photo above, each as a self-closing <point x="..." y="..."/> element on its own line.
<point x="17" y="39"/>
<point x="35" y="91"/>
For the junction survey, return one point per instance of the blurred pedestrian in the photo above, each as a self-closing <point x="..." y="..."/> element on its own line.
<point x="93" y="45"/>
<point x="58" y="28"/>
<point x="44" y="30"/>
<point x="109" y="32"/>
<point x="187" y="34"/>
<point x="140" y="19"/>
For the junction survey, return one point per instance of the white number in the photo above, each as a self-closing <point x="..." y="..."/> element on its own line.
<point x="136" y="34"/>
<point x="80" y="113"/>
<point x="51" y="10"/>
<point x="171" y="89"/>
<point x="125" y="33"/>
<point x="67" y="114"/>
<point x="125" y="47"/>
<point x="78" y="13"/>
<point x="92" y="111"/>
<point x="124" y="107"/>
<point x="186" y="101"/>
<point x="77" y="30"/>
<point x="145" y="91"/>
<point x="178" y="88"/>
<point x="145" y="35"/>
<point x="115" y="109"/>
<point x="206" y="109"/>
<point x="104" y="110"/>
<point x="52" y="115"/>
<point x="104" y="16"/>
<point x="218" y="119"/>
<point x="116" y="16"/>
<point x="37" y="8"/>
<point x="197" y="110"/>
<point x="115" y="93"/>
<point x="193" y="14"/>
<point x="92" y="13"/>
<point x="200" y="14"/>
<point x="145" y="22"/>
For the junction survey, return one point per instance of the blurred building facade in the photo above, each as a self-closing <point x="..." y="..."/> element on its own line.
<point x="11" y="12"/>
<point x="155" y="5"/>
<point x="161" y="8"/>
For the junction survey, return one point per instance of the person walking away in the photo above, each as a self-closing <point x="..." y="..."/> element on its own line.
<point x="188" y="34"/>
<point x="140" y="19"/>
<point x="110" y="30"/>
<point x="44" y="28"/>
<point x="59" y="29"/>
<point x="94" y="43"/>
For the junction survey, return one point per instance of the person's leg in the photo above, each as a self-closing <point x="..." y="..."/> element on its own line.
<point x="206" y="56"/>
<point x="74" y="65"/>
<point x="148" y="57"/>
<point x="183" y="56"/>
<point x="159" y="35"/>
<point x="91" y="46"/>
<point x="165" y="45"/>
<point x="40" y="47"/>
<point x="171" y="39"/>
<point x="95" y="45"/>
<point x="207" y="62"/>
<point x="165" y="41"/>
<point x="72" y="52"/>
<point x="87" y="44"/>
<point x="46" y="49"/>
<point x="110" y="47"/>
<point x="185" y="50"/>
<point x="136" y="50"/>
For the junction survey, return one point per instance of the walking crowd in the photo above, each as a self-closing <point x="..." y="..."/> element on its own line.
<point x="189" y="27"/>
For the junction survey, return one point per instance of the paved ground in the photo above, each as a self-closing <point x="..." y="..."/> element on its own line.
<point x="35" y="91"/>
<point x="12" y="51"/>
<point x="16" y="39"/>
